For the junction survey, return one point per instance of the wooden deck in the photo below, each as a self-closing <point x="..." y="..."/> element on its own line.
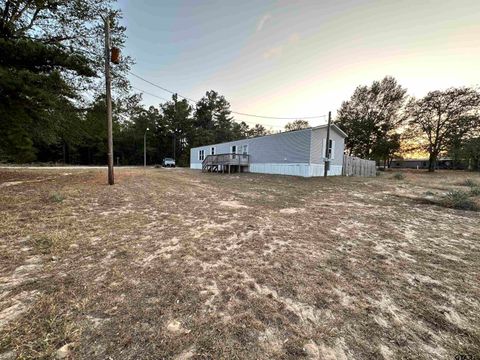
<point x="226" y="163"/>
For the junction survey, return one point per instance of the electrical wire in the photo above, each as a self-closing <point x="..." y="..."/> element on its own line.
<point x="162" y="98"/>
<point x="148" y="93"/>
<point x="232" y="111"/>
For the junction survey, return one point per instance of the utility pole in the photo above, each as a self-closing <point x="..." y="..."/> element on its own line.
<point x="145" y="148"/>
<point x="326" y="163"/>
<point x="175" y="126"/>
<point x="108" y="90"/>
<point x="174" y="145"/>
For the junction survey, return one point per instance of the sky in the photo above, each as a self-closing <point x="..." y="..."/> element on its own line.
<point x="299" y="58"/>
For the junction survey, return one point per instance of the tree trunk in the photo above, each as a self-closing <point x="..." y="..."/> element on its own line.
<point x="431" y="162"/>
<point x="64" y="151"/>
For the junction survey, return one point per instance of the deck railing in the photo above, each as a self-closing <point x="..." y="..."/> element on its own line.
<point x="225" y="160"/>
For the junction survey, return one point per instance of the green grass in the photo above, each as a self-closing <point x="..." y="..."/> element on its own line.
<point x="57" y="197"/>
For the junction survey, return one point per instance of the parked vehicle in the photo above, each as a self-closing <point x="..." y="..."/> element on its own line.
<point x="168" y="162"/>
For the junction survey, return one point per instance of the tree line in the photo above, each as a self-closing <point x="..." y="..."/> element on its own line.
<point x="174" y="127"/>
<point x="382" y="122"/>
<point x="52" y="102"/>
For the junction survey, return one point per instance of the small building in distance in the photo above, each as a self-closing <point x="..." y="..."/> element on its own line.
<point x="300" y="153"/>
<point x="445" y="163"/>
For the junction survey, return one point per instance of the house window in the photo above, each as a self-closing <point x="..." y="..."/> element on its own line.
<point x="201" y="155"/>
<point x="245" y="149"/>
<point x="212" y="150"/>
<point x="234" y="149"/>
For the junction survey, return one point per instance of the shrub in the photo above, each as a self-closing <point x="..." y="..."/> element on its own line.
<point x="399" y="176"/>
<point x="469" y="182"/>
<point x="475" y="191"/>
<point x="56" y="197"/>
<point x="43" y="244"/>
<point x="458" y="199"/>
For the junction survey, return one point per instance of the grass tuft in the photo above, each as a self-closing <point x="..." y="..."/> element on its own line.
<point x="470" y="183"/>
<point x="398" y="176"/>
<point x="475" y="191"/>
<point x="43" y="244"/>
<point x="458" y="199"/>
<point x="57" y="197"/>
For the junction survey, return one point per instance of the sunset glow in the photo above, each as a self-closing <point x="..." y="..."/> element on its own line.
<point x="301" y="58"/>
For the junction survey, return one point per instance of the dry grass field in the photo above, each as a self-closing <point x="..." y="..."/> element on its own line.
<point x="176" y="264"/>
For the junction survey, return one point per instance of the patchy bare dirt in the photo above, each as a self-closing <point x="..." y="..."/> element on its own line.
<point x="181" y="265"/>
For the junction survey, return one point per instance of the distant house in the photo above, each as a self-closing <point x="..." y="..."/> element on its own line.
<point x="445" y="163"/>
<point x="300" y="153"/>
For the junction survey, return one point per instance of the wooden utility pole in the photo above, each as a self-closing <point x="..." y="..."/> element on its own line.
<point x="145" y="148"/>
<point x="326" y="163"/>
<point x="108" y="90"/>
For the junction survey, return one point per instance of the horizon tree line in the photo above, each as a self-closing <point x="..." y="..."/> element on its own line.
<point x="52" y="102"/>
<point x="381" y="119"/>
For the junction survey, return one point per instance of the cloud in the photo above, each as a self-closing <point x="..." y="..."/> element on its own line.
<point x="273" y="52"/>
<point x="278" y="50"/>
<point x="262" y="21"/>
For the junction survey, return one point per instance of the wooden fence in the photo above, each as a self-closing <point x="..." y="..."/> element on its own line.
<point x="354" y="166"/>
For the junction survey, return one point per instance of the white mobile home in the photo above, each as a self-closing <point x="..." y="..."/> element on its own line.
<point x="300" y="153"/>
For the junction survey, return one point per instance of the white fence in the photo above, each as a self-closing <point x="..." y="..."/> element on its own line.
<point x="354" y="166"/>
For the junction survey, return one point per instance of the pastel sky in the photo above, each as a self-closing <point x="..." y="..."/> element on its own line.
<point x="300" y="58"/>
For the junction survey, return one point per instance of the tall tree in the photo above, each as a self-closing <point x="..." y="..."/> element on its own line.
<point x="177" y="126"/>
<point x="240" y="130"/>
<point x="371" y="117"/>
<point x="51" y="51"/>
<point x="470" y="152"/>
<point x="258" y="130"/>
<point x="297" y="125"/>
<point x="444" y="117"/>
<point x="213" y="119"/>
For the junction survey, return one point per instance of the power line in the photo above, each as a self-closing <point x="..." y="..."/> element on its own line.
<point x="148" y="93"/>
<point x="162" y="98"/>
<point x="162" y="88"/>
<point x="232" y="111"/>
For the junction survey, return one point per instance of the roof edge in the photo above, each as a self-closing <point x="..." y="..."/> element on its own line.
<point x="331" y="125"/>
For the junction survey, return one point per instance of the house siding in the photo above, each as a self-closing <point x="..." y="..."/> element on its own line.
<point x="317" y="153"/>
<point x="298" y="153"/>
<point x="284" y="148"/>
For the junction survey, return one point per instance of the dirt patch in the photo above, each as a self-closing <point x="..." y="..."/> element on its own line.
<point x="291" y="210"/>
<point x="232" y="204"/>
<point x="162" y="266"/>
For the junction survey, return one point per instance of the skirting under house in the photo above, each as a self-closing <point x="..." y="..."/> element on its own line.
<point x="305" y="170"/>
